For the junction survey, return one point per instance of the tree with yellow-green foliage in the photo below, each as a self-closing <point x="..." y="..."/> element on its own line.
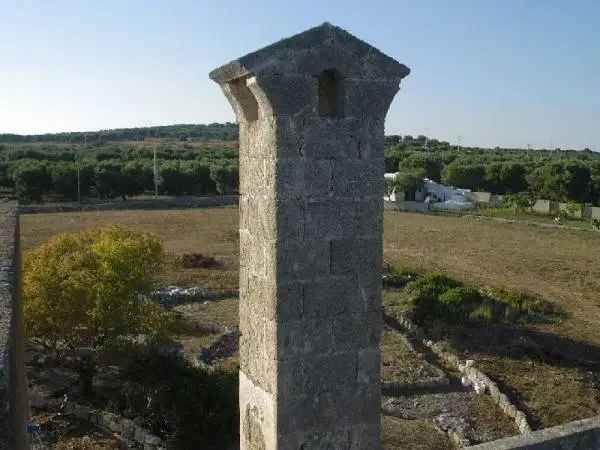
<point x="90" y="289"/>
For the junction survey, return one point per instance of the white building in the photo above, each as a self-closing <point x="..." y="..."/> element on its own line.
<point x="438" y="196"/>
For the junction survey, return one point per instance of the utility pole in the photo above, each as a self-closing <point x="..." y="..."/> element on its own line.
<point x="78" y="168"/>
<point x="77" y="164"/>
<point x="155" y="175"/>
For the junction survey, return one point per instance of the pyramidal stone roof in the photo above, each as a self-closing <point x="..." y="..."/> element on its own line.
<point x="324" y="47"/>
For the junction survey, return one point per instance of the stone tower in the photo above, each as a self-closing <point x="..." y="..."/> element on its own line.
<point x="311" y="112"/>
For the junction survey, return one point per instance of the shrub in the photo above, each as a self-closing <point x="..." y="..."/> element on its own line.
<point x="573" y="209"/>
<point x="424" y="293"/>
<point x="517" y="202"/>
<point x="463" y="175"/>
<point x="458" y="302"/>
<point x="90" y="289"/>
<point x="64" y="179"/>
<point x="225" y="177"/>
<point x="5" y="178"/>
<point x="109" y="181"/>
<point x="437" y="296"/>
<point x="198" y="260"/>
<point x="31" y="180"/>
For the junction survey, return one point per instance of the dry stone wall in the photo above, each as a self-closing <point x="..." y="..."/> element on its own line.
<point x="132" y="204"/>
<point x="579" y="435"/>
<point x="13" y="386"/>
<point x="471" y="376"/>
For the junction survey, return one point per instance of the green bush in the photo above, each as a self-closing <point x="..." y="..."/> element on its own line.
<point x="225" y="177"/>
<point x="424" y="294"/>
<point x="64" y="179"/>
<point x="458" y="302"/>
<point x="31" y="180"/>
<point x="437" y="296"/>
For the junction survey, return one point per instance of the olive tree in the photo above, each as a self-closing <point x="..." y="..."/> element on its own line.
<point x="90" y="290"/>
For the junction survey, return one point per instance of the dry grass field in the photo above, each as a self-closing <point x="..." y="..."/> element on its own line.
<point x="562" y="266"/>
<point x="552" y="370"/>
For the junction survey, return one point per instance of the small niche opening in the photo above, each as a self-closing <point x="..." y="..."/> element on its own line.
<point x="331" y="94"/>
<point x="245" y="99"/>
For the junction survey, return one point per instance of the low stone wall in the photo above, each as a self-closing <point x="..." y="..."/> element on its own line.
<point x="579" y="435"/>
<point x="591" y="212"/>
<point x="545" y="207"/>
<point x="471" y="376"/>
<point x="14" y="409"/>
<point x="160" y="203"/>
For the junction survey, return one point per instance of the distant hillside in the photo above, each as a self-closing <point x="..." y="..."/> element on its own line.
<point x="214" y="131"/>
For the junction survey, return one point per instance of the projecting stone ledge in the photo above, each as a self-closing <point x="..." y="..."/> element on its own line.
<point x="313" y="51"/>
<point x="311" y="110"/>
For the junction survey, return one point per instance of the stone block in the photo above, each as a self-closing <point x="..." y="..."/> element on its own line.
<point x="330" y="296"/>
<point x="304" y="337"/>
<point x="264" y="299"/>
<point x="258" y="138"/>
<point x="313" y="375"/>
<point x="370" y="99"/>
<point x="291" y="219"/>
<point x="352" y="256"/>
<point x="289" y="94"/>
<point x="331" y="219"/>
<point x="356" y="331"/>
<point x="257" y="216"/>
<point x="302" y="260"/>
<point x="359" y="178"/>
<point x="331" y="139"/>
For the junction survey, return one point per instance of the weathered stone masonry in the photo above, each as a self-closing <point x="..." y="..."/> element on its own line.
<point x="311" y="111"/>
<point x="13" y="398"/>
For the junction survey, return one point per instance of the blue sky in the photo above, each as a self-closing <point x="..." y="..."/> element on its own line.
<point x="507" y="73"/>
